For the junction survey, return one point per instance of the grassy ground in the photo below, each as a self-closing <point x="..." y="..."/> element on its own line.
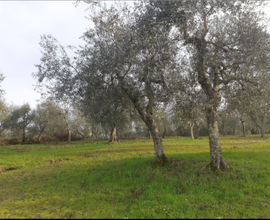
<point x="89" y="180"/>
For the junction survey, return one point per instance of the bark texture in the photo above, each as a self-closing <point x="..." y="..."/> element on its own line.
<point x="160" y="155"/>
<point x="69" y="136"/>
<point x="113" y="137"/>
<point x="191" y="124"/>
<point x="211" y="90"/>
<point x="217" y="161"/>
<point x="146" y="114"/>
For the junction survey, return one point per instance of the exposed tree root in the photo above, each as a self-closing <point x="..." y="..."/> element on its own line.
<point x="161" y="161"/>
<point x="223" y="166"/>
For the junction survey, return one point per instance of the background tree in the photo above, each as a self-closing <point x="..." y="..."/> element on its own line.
<point x="253" y="104"/>
<point x="228" y="121"/>
<point x="4" y="108"/>
<point x="189" y="104"/>
<point x="108" y="111"/>
<point x="71" y="117"/>
<point x="4" y="115"/>
<point x="47" y="119"/>
<point x="19" y="119"/>
<point x="162" y="118"/>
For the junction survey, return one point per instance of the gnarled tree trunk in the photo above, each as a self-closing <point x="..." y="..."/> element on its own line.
<point x="113" y="137"/>
<point x="160" y="155"/>
<point x="211" y="90"/>
<point x="69" y="136"/>
<point x="40" y="133"/>
<point x="217" y="161"/>
<point x="191" y="124"/>
<point x="147" y="117"/>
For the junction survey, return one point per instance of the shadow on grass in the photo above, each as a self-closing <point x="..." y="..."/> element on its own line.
<point x="133" y="187"/>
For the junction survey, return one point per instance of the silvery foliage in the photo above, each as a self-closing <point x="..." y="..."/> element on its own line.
<point x="125" y="60"/>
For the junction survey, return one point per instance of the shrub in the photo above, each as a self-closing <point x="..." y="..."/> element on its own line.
<point x="31" y="141"/>
<point x="64" y="137"/>
<point x="10" y="141"/>
<point x="48" y="139"/>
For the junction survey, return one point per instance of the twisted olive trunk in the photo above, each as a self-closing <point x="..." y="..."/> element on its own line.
<point x="217" y="161"/>
<point x="211" y="90"/>
<point x="157" y="139"/>
<point x="191" y="124"/>
<point x="40" y="133"/>
<point x="113" y="137"/>
<point x="148" y="119"/>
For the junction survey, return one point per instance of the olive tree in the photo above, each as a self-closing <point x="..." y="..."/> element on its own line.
<point x="4" y="108"/>
<point x="253" y="105"/>
<point x="19" y="119"/>
<point x="189" y="104"/>
<point x="47" y="120"/>
<point x="105" y="107"/>
<point x="125" y="55"/>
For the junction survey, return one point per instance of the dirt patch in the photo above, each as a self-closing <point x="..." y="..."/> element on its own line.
<point x="55" y="161"/>
<point x="88" y="154"/>
<point x="3" y="169"/>
<point x="137" y="192"/>
<point x="63" y="159"/>
<point x="202" y="207"/>
<point x="176" y="161"/>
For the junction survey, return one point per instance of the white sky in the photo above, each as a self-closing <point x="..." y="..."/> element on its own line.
<point x="21" y="24"/>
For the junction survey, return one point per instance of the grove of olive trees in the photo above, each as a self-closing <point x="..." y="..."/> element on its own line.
<point x="152" y="54"/>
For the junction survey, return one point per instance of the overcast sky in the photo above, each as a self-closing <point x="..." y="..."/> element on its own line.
<point x="21" y="24"/>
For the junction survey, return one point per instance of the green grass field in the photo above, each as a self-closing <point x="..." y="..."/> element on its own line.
<point x="89" y="180"/>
